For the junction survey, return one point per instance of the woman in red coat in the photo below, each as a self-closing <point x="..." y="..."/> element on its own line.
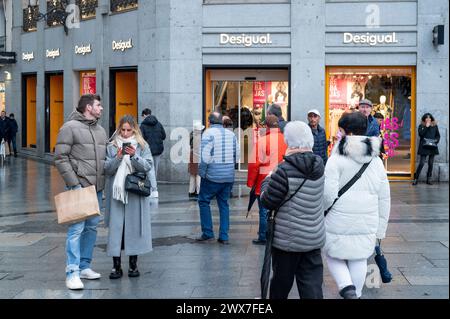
<point x="267" y="152"/>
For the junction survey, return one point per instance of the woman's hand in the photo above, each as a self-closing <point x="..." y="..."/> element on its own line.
<point x="130" y="150"/>
<point x="119" y="153"/>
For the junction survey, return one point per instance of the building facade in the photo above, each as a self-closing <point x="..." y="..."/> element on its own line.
<point x="184" y="59"/>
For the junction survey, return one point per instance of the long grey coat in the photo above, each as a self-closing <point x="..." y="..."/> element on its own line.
<point x="134" y="217"/>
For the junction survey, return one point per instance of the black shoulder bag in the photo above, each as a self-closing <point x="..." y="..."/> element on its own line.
<point x="348" y="185"/>
<point x="265" y="272"/>
<point x="138" y="183"/>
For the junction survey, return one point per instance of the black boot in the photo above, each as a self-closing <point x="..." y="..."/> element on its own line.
<point x="429" y="180"/>
<point x="348" y="292"/>
<point x="116" y="272"/>
<point x="415" y="181"/>
<point x="133" y="270"/>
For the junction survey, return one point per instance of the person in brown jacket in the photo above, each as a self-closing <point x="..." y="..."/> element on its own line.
<point x="80" y="155"/>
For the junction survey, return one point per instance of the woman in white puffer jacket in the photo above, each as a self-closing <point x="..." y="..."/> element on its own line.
<point x="359" y="216"/>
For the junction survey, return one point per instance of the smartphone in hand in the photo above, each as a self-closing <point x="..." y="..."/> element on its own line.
<point x="124" y="146"/>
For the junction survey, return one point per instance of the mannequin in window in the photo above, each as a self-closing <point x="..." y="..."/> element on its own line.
<point x="383" y="108"/>
<point x="281" y="95"/>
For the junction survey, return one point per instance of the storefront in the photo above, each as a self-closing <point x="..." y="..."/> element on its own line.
<point x="232" y="57"/>
<point x="244" y="95"/>
<point x="2" y="96"/>
<point x="392" y="92"/>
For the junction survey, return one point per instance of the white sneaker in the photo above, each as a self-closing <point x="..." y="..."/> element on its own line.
<point x="73" y="282"/>
<point x="154" y="194"/>
<point x="88" y="273"/>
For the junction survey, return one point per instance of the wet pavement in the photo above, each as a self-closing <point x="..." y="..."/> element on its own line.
<point x="32" y="255"/>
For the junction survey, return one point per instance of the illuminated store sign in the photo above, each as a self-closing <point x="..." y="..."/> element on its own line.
<point x="83" y="49"/>
<point x="122" y="45"/>
<point x="245" y="39"/>
<point x="370" y="39"/>
<point x="28" y="56"/>
<point x="52" y="53"/>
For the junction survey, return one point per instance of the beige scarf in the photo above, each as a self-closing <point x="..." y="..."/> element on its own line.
<point x="125" y="168"/>
<point x="291" y="151"/>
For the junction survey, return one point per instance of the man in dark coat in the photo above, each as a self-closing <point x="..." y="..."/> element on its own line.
<point x="365" y="107"/>
<point x="11" y="135"/>
<point x="154" y="134"/>
<point x="320" y="138"/>
<point x="4" y="126"/>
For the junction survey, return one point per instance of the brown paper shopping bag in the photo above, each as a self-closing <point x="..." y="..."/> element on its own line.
<point x="77" y="205"/>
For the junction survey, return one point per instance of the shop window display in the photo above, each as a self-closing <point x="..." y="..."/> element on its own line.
<point x="389" y="89"/>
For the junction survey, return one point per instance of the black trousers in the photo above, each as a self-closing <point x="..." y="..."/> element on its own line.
<point x="306" y="267"/>
<point x="422" y="162"/>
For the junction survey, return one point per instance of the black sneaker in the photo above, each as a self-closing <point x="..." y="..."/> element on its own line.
<point x="204" y="238"/>
<point x="258" y="242"/>
<point x="223" y="242"/>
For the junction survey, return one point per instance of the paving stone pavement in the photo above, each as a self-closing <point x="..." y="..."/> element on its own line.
<point x="32" y="255"/>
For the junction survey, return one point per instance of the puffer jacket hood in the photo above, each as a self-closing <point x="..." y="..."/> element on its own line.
<point x="361" y="149"/>
<point x="307" y="163"/>
<point x="77" y="116"/>
<point x="150" y="120"/>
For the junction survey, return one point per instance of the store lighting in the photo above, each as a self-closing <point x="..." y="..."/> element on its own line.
<point x="8" y="76"/>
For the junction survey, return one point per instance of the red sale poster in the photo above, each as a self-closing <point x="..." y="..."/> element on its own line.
<point x="259" y="94"/>
<point x="88" y="83"/>
<point x="338" y="91"/>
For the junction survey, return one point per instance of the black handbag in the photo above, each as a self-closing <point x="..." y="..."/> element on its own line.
<point x="429" y="143"/>
<point x="137" y="183"/>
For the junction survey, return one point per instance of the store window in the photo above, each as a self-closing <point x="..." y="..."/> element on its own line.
<point x="88" y="82"/>
<point x="390" y="89"/>
<point x="87" y="8"/>
<point x="54" y="111"/>
<point x="124" y="96"/>
<point x="56" y="12"/>
<point x="123" y="5"/>
<point x="29" y="83"/>
<point x="244" y="96"/>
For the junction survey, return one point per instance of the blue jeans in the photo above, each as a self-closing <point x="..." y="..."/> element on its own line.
<point x="262" y="233"/>
<point x="80" y="242"/>
<point x="221" y="191"/>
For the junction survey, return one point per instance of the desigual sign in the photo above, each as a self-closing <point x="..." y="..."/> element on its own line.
<point x="122" y="45"/>
<point x="370" y="39"/>
<point x="28" y="56"/>
<point x="83" y="49"/>
<point x="51" y="54"/>
<point x="245" y="39"/>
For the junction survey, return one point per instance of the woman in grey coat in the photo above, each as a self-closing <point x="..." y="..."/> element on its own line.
<point x="127" y="214"/>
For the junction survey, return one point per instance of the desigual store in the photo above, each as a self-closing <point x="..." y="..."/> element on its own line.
<point x="185" y="59"/>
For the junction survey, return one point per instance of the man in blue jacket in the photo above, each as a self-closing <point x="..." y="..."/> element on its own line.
<point x="219" y="153"/>
<point x="365" y="107"/>
<point x="320" y="138"/>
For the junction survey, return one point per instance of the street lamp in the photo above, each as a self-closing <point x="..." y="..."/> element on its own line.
<point x="57" y="13"/>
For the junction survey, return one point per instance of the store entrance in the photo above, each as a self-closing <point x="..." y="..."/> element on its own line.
<point x="29" y="83"/>
<point x="244" y="96"/>
<point x="54" y="108"/>
<point x="124" y="95"/>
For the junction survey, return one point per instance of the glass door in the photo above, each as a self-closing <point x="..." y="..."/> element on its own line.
<point x="246" y="103"/>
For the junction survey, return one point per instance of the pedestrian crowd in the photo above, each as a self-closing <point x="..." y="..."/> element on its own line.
<point x="335" y="205"/>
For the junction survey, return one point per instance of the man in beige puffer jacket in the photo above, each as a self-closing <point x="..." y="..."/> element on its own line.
<point x="80" y="155"/>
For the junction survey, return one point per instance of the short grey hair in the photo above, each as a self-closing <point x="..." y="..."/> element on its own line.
<point x="298" y="134"/>
<point x="215" y="118"/>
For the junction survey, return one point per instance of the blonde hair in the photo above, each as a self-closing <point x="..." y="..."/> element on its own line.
<point x="136" y="130"/>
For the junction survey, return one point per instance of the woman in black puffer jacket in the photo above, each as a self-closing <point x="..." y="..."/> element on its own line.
<point x="428" y="130"/>
<point x="299" y="224"/>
